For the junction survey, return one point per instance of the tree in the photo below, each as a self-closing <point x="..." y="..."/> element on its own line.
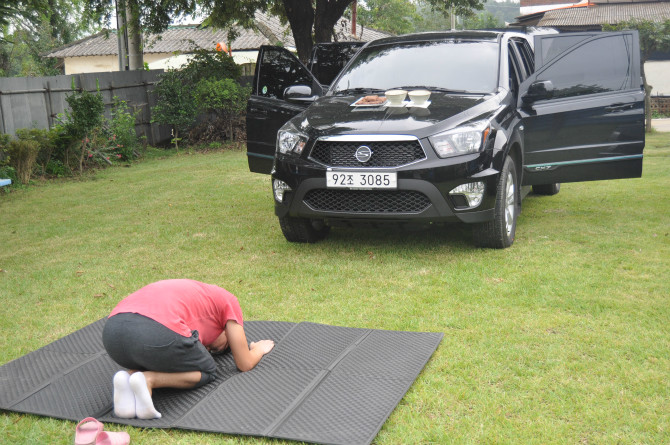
<point x="654" y="36"/>
<point x="138" y="16"/>
<point x="393" y="16"/>
<point x="33" y="27"/>
<point x="310" y="20"/>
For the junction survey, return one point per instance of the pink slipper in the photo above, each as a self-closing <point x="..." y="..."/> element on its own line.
<point x="112" y="438"/>
<point x="87" y="431"/>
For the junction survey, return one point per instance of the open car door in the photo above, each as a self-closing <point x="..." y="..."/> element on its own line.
<point x="282" y="88"/>
<point x="583" y="108"/>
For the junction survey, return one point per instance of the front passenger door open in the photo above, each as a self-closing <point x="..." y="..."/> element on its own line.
<point x="583" y="108"/>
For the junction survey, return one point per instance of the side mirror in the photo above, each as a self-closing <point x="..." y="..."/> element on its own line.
<point x="542" y="89"/>
<point x="299" y="94"/>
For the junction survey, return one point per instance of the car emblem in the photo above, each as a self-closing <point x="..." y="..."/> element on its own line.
<point x="363" y="154"/>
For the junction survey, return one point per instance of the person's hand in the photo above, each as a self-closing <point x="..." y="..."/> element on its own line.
<point x="263" y="346"/>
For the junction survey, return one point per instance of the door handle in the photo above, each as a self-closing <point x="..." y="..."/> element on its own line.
<point x="616" y="108"/>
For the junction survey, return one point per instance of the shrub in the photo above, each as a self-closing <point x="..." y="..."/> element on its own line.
<point x="211" y="65"/>
<point x="46" y="141"/>
<point x="122" y="129"/>
<point x="85" y="115"/>
<point x="224" y="97"/>
<point x="22" y="156"/>
<point x="175" y="104"/>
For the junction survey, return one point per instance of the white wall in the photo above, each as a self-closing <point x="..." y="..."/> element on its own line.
<point x="658" y="76"/>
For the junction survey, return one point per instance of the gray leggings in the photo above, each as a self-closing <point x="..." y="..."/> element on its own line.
<point x="140" y="343"/>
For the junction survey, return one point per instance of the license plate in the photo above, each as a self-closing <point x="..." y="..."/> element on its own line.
<point x="361" y="180"/>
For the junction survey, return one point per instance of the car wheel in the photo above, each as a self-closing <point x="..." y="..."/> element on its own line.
<point x="499" y="233"/>
<point x="547" y="189"/>
<point x="303" y="230"/>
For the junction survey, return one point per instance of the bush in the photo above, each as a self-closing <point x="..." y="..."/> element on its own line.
<point x="224" y="97"/>
<point x="22" y="156"/>
<point x="210" y="65"/>
<point x="46" y="141"/>
<point x="85" y="116"/>
<point x="122" y="129"/>
<point x="177" y="99"/>
<point x="175" y="104"/>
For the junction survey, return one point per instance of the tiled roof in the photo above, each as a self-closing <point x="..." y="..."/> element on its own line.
<point x="602" y="13"/>
<point x="182" y="38"/>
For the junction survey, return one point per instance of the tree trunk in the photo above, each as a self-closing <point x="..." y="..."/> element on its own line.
<point x="326" y="16"/>
<point x="135" y="57"/>
<point x="647" y="100"/>
<point x="301" y="18"/>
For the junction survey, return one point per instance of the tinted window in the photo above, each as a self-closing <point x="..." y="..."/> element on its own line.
<point x="328" y="60"/>
<point x="597" y="66"/>
<point x="526" y="55"/>
<point x="514" y="70"/>
<point x="553" y="46"/>
<point x="455" y="65"/>
<point x="279" y="70"/>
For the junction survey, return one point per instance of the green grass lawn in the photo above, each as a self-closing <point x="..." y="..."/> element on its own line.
<point x="563" y="338"/>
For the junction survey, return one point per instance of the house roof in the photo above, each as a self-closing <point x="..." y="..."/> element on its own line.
<point x="594" y="13"/>
<point x="606" y="13"/>
<point x="182" y="38"/>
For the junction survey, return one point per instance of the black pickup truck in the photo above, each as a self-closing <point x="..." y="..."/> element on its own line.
<point x="507" y="110"/>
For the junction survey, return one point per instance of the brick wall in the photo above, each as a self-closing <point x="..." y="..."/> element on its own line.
<point x="661" y="104"/>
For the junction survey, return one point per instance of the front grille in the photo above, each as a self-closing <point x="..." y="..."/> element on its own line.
<point x="384" y="153"/>
<point x="367" y="201"/>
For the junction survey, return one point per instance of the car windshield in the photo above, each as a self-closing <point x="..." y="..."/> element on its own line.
<point x="453" y="65"/>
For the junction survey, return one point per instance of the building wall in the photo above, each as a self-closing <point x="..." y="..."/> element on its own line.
<point x="658" y="76"/>
<point x="98" y="64"/>
<point x="533" y="6"/>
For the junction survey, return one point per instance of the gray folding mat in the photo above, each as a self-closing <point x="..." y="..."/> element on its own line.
<point x="321" y="383"/>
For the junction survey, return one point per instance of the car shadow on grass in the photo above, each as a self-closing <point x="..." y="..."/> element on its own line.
<point x="455" y="236"/>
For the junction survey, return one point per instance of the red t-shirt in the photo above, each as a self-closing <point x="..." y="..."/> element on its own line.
<point x="185" y="306"/>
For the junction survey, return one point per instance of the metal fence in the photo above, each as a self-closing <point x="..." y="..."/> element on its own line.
<point x="35" y="102"/>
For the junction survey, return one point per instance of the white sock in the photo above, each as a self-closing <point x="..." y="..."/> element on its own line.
<point x="124" y="398"/>
<point x="144" y="406"/>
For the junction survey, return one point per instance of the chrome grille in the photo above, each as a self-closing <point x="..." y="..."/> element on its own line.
<point x="384" y="153"/>
<point x="367" y="201"/>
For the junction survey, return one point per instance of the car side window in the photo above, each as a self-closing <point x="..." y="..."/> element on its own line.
<point x="278" y="71"/>
<point x="604" y="65"/>
<point x="526" y="54"/>
<point x="514" y="69"/>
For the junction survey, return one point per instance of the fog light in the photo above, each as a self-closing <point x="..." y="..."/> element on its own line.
<point x="473" y="193"/>
<point x="279" y="188"/>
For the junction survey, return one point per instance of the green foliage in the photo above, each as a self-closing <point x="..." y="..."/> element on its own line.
<point x="86" y="113"/>
<point x="46" y="141"/>
<point x="483" y="20"/>
<point x="394" y="16"/>
<point x="175" y="105"/>
<point x="207" y="64"/>
<point x="224" y="97"/>
<point x="22" y="157"/>
<point x="8" y="172"/>
<point x="207" y="83"/>
<point x="122" y="130"/>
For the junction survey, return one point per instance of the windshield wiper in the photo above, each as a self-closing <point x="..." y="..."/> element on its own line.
<point x="358" y="91"/>
<point x="440" y="89"/>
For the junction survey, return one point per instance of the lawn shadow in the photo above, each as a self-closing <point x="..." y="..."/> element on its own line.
<point x="456" y="236"/>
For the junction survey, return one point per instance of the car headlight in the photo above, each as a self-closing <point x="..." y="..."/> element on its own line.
<point x="462" y="140"/>
<point x="290" y="139"/>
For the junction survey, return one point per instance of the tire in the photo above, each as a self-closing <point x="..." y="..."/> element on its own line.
<point x="303" y="230"/>
<point x="499" y="233"/>
<point x="547" y="189"/>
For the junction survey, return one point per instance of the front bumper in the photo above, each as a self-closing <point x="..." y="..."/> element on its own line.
<point x="422" y="195"/>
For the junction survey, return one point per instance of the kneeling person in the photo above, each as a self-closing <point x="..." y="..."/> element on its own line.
<point x="165" y="333"/>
